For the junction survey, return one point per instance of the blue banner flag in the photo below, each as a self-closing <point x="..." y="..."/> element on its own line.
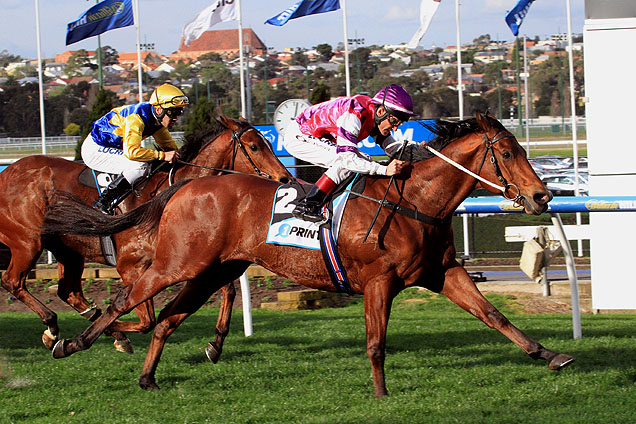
<point x="304" y="8"/>
<point x="104" y="16"/>
<point x="514" y="18"/>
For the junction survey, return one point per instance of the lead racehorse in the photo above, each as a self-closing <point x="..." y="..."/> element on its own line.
<point x="228" y="232"/>
<point x="25" y="187"/>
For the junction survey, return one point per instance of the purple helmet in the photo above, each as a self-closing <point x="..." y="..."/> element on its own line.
<point x="396" y="100"/>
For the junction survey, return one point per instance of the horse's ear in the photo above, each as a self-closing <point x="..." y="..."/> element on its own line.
<point x="483" y="121"/>
<point x="220" y="117"/>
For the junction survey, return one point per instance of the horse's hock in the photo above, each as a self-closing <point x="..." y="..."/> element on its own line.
<point x="302" y="299"/>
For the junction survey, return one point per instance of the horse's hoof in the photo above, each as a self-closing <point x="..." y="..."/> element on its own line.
<point x="123" y="346"/>
<point x="49" y="339"/>
<point x="560" y="361"/>
<point x="148" y="384"/>
<point x="58" y="349"/>
<point x="212" y="353"/>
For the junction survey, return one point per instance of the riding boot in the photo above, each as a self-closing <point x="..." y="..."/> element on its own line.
<point x="112" y="195"/>
<point x="308" y="209"/>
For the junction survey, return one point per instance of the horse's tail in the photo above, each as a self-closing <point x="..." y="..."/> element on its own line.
<point x="67" y="214"/>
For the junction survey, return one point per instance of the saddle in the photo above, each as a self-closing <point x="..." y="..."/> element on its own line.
<point x="287" y="230"/>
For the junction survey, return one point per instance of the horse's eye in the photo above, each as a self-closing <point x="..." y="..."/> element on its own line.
<point x="253" y="147"/>
<point x="506" y="155"/>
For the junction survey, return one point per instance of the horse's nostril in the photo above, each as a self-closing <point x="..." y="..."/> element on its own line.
<point x="542" y="197"/>
<point x="284" y="180"/>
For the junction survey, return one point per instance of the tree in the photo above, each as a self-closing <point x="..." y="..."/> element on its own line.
<point x="482" y="40"/>
<point x="325" y="51"/>
<point x="20" y="109"/>
<point x="200" y="119"/>
<point x="103" y="104"/>
<point x="76" y="61"/>
<point x="182" y="71"/>
<point x="270" y="65"/>
<point x="72" y="129"/>
<point x="320" y="94"/>
<point x="110" y="56"/>
<point x="299" y="58"/>
<point x="6" y="58"/>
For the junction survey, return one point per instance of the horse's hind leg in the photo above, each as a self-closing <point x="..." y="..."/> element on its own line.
<point x="213" y="350"/>
<point x="193" y="295"/>
<point x="70" y="267"/>
<point x="23" y="258"/>
<point x="149" y="284"/>
<point x="461" y="289"/>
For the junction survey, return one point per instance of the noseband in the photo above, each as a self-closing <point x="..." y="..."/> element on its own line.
<point x="517" y="198"/>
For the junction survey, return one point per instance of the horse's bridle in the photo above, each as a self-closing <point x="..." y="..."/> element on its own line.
<point x="236" y="146"/>
<point x="518" y="198"/>
<point x="236" y="139"/>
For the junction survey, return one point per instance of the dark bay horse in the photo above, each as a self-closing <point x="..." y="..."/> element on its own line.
<point x="25" y="187"/>
<point x="216" y="244"/>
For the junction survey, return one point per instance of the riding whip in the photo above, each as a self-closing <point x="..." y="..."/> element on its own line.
<point x="385" y="194"/>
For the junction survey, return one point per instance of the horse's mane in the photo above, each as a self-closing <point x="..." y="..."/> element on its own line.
<point x="194" y="143"/>
<point x="447" y="131"/>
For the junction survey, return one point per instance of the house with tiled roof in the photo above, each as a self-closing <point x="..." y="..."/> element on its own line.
<point x="64" y="57"/>
<point x="149" y="60"/>
<point x="224" y="42"/>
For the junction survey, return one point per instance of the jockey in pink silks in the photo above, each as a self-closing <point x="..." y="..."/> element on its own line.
<point x="327" y="135"/>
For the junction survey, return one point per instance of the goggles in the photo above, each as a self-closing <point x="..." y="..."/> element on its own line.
<point x="174" y="112"/>
<point x="394" y="121"/>
<point x="178" y="101"/>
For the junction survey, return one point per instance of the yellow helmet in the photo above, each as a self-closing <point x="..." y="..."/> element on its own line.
<point x="167" y="95"/>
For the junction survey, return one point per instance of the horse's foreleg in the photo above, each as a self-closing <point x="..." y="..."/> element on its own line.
<point x="14" y="280"/>
<point x="461" y="289"/>
<point x="377" y="308"/>
<point x="213" y="350"/>
<point x="193" y="295"/>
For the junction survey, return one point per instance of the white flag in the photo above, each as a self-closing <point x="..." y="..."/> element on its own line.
<point x="427" y="11"/>
<point x="219" y="11"/>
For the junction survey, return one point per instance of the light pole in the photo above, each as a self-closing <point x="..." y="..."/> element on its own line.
<point x="356" y="42"/>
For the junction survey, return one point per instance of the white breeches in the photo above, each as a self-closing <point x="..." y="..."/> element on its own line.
<point x="112" y="160"/>
<point x="322" y="152"/>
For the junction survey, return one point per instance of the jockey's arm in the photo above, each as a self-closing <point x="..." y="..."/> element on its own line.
<point x="347" y="148"/>
<point x="133" y="130"/>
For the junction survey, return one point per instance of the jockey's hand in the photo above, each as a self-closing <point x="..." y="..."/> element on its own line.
<point x="171" y="156"/>
<point x="396" y="167"/>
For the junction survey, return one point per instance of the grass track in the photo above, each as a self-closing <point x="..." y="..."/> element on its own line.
<point x="443" y="366"/>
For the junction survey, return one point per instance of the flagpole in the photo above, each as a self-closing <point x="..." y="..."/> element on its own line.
<point x="139" y="71"/>
<point x="37" y="39"/>
<point x="460" y="94"/>
<point x="241" y="61"/>
<point x="460" y="90"/>
<point x="346" y="46"/>
<point x="526" y="77"/>
<point x="575" y="146"/>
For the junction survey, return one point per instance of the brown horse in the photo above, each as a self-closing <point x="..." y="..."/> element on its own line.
<point x="24" y="192"/>
<point x="228" y="232"/>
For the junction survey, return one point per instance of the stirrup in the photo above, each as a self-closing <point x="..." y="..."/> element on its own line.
<point x="102" y="207"/>
<point x="306" y="213"/>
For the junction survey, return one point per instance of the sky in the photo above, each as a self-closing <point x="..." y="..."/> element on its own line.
<point x="376" y="21"/>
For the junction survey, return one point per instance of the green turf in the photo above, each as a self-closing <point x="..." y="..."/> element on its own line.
<point x="442" y="366"/>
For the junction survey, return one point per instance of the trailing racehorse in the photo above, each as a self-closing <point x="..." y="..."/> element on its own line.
<point x="26" y="185"/>
<point x="216" y="244"/>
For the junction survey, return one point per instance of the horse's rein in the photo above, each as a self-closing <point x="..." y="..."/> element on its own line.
<point x="493" y="160"/>
<point x="236" y="140"/>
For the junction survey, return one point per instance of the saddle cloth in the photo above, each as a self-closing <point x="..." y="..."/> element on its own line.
<point x="285" y="230"/>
